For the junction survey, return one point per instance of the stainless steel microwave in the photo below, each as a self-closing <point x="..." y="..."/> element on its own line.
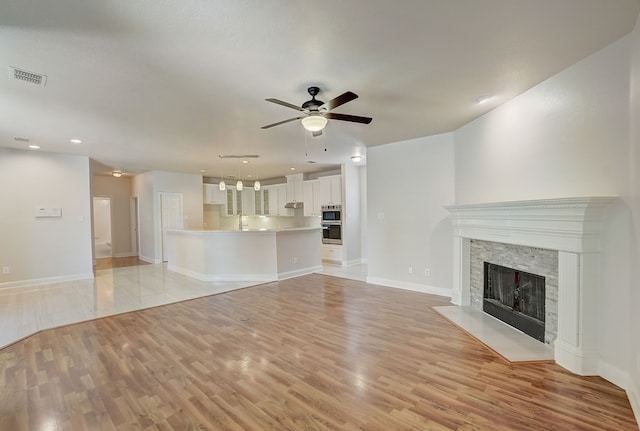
<point x="332" y="213"/>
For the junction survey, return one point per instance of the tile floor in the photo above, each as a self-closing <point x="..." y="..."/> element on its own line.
<point x="29" y="309"/>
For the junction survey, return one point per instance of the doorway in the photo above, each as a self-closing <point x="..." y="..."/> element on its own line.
<point x="102" y="227"/>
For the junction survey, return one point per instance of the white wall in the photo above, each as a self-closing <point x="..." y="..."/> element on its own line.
<point x="364" y="244"/>
<point x="142" y="187"/>
<point x="351" y="240"/>
<point x="634" y="232"/>
<point x="147" y="187"/>
<point x="564" y="137"/>
<point x="570" y="136"/>
<point x="44" y="249"/>
<point x="408" y="185"/>
<point x="119" y="192"/>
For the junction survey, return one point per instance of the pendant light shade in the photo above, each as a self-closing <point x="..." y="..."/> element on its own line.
<point x="256" y="185"/>
<point x="314" y="123"/>
<point x="239" y="186"/>
<point x="222" y="186"/>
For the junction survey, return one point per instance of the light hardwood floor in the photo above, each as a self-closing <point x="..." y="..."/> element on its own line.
<point x="310" y="353"/>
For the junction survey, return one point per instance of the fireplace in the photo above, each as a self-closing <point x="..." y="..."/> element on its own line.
<point x="570" y="227"/>
<point x="515" y="297"/>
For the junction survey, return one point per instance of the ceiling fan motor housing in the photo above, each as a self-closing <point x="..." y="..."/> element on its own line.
<point x="313" y="104"/>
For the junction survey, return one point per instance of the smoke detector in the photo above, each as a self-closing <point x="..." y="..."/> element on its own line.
<point x="26" y="76"/>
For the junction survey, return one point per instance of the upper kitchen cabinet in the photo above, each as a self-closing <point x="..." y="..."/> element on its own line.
<point x="330" y="190"/>
<point x="248" y="201"/>
<point x="233" y="201"/>
<point x="311" y="198"/>
<point x="277" y="199"/>
<point x="212" y="195"/>
<point x="294" y="188"/>
<point x="261" y="202"/>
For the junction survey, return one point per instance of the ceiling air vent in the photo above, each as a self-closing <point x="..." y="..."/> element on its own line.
<point x="18" y="139"/>
<point x="23" y="75"/>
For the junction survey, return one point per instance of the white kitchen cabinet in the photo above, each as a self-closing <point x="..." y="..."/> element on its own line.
<point x="332" y="253"/>
<point x="212" y="195"/>
<point x="248" y="201"/>
<point x="233" y="201"/>
<point x="311" y="197"/>
<point x="294" y="188"/>
<point x="330" y="190"/>
<point x="277" y="199"/>
<point x="261" y="202"/>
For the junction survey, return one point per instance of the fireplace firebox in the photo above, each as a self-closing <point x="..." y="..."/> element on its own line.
<point x="515" y="297"/>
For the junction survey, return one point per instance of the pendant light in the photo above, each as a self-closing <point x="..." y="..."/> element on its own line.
<point x="222" y="186"/>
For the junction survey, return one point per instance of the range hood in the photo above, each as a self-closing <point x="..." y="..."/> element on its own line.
<point x="294" y="205"/>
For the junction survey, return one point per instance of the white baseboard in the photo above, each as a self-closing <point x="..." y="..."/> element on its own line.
<point x="411" y="286"/>
<point x="633" y="392"/>
<point x="299" y="272"/>
<point x="351" y="262"/>
<point x="125" y="254"/>
<point x="149" y="260"/>
<point x="46" y="280"/>
<point x="624" y="381"/>
<point x="221" y="277"/>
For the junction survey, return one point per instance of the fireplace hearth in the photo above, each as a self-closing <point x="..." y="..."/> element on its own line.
<point x="515" y="297"/>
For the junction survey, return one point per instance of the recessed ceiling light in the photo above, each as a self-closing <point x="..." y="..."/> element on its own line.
<point x="245" y="161"/>
<point x="483" y="99"/>
<point x="292" y="169"/>
<point x="202" y="171"/>
<point x="34" y="147"/>
<point x="75" y="141"/>
<point x="249" y="176"/>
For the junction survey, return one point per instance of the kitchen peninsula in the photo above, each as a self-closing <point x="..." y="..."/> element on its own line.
<point x="244" y="255"/>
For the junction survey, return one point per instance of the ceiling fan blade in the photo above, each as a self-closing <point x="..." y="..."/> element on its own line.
<point x="340" y="100"/>
<point x="281" y="122"/>
<point x="287" y="104"/>
<point x="345" y="117"/>
<point x="317" y="133"/>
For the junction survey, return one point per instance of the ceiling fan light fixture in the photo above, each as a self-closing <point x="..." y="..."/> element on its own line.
<point x="314" y="122"/>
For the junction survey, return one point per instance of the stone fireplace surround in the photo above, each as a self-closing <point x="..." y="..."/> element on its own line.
<point x="571" y="226"/>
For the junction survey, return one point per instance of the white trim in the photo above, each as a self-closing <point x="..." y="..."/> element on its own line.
<point x="125" y="254"/>
<point x="299" y="272"/>
<point x="47" y="280"/>
<point x="624" y="381"/>
<point x="423" y="288"/>
<point x="149" y="259"/>
<point x="351" y="262"/>
<point x="221" y="277"/>
<point x="633" y="392"/>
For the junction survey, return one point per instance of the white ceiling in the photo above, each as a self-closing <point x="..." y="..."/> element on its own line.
<point x="172" y="84"/>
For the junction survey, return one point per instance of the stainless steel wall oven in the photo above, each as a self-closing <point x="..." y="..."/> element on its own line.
<point x="332" y="224"/>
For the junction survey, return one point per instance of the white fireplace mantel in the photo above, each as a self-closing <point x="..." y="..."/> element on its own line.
<point x="569" y="225"/>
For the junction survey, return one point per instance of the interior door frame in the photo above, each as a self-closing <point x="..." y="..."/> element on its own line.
<point x="135" y="225"/>
<point x="180" y="219"/>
